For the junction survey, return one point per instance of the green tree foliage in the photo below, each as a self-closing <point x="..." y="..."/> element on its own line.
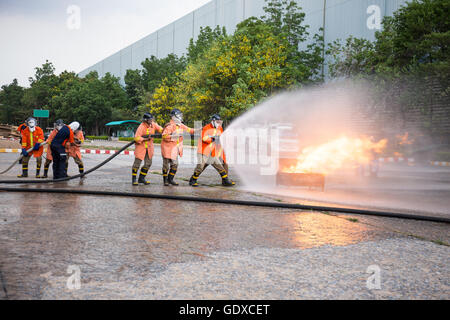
<point x="39" y="94"/>
<point x="206" y="38"/>
<point x="156" y="70"/>
<point x="408" y="63"/>
<point x="287" y="21"/>
<point x="92" y="101"/>
<point x="134" y="87"/>
<point x="414" y="39"/>
<point x="11" y="103"/>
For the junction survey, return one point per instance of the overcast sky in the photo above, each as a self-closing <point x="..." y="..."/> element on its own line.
<point x="32" y="31"/>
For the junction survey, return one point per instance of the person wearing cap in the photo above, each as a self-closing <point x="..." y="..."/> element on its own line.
<point x="144" y="148"/>
<point x="32" y="137"/>
<point x="210" y="152"/>
<point x="58" y="148"/>
<point x="172" y="145"/>
<point x="73" y="149"/>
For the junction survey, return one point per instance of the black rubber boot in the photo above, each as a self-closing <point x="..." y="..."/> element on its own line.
<point x="165" y="178"/>
<point x="81" y="168"/>
<point x="133" y="177"/>
<point x="225" y="181"/>
<point x="45" y="176"/>
<point x="171" y="176"/>
<point x="38" y="172"/>
<point x="193" y="181"/>
<point x="142" y="177"/>
<point x="24" y="171"/>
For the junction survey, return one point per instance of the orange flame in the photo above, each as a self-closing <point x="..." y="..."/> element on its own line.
<point x="335" y="154"/>
<point x="403" y="139"/>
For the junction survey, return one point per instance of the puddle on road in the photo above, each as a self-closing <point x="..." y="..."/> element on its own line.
<point x="141" y="236"/>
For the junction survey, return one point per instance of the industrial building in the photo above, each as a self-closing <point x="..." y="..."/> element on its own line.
<point x="338" y="18"/>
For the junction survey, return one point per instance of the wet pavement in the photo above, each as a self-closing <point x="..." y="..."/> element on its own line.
<point x="139" y="248"/>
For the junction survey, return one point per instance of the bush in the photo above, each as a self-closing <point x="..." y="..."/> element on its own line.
<point x="97" y="137"/>
<point x="126" y="138"/>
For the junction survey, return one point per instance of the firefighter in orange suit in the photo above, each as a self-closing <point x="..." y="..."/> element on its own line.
<point x="172" y="145"/>
<point x="32" y="137"/>
<point x="144" y="148"/>
<point x="210" y="152"/>
<point x="73" y="150"/>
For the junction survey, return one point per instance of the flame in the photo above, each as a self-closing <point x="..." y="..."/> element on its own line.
<point x="335" y="154"/>
<point x="403" y="139"/>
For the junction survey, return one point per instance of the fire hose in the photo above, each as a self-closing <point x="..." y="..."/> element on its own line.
<point x="20" y="157"/>
<point x="71" y="177"/>
<point x="207" y="200"/>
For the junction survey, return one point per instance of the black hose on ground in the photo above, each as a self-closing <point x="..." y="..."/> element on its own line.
<point x="72" y="177"/>
<point x="235" y="202"/>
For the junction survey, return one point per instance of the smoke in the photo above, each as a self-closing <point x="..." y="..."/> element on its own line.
<point x="340" y="130"/>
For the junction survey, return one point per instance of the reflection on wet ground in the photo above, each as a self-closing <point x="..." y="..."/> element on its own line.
<point x="119" y="238"/>
<point x="112" y="238"/>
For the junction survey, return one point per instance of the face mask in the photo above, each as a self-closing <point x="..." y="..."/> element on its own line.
<point x="31" y="123"/>
<point x="59" y="127"/>
<point x="177" y="120"/>
<point x="216" y="123"/>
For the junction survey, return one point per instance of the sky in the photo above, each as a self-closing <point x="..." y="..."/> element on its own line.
<point x="75" y="34"/>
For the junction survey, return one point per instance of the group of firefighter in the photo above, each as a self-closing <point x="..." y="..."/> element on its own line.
<point x="64" y="143"/>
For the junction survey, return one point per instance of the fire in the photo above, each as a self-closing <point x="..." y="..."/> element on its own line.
<point x="336" y="154"/>
<point x="404" y="139"/>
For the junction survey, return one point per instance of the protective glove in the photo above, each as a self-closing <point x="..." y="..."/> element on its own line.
<point x="36" y="146"/>
<point x="24" y="152"/>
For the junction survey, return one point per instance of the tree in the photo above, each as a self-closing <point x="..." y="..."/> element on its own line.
<point x="92" y="101"/>
<point x="10" y="103"/>
<point x="41" y="86"/>
<point x="287" y="21"/>
<point x="134" y="87"/>
<point x="408" y="63"/>
<point x="206" y="38"/>
<point x="156" y="70"/>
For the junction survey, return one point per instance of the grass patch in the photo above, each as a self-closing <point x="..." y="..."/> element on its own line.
<point x="352" y="219"/>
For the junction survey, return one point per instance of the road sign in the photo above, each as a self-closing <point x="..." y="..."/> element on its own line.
<point x="37" y="113"/>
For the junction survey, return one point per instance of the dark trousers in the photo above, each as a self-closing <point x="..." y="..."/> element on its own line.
<point x="59" y="161"/>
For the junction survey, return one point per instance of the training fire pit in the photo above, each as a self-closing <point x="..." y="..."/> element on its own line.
<point x="286" y="177"/>
<point x="301" y="179"/>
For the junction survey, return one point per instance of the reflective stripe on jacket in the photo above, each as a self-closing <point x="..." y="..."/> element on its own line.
<point x="29" y="139"/>
<point x="205" y="144"/>
<point x="172" y="147"/>
<point x="141" y="146"/>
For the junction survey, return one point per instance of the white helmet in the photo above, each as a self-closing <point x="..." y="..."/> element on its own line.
<point x="74" y="125"/>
